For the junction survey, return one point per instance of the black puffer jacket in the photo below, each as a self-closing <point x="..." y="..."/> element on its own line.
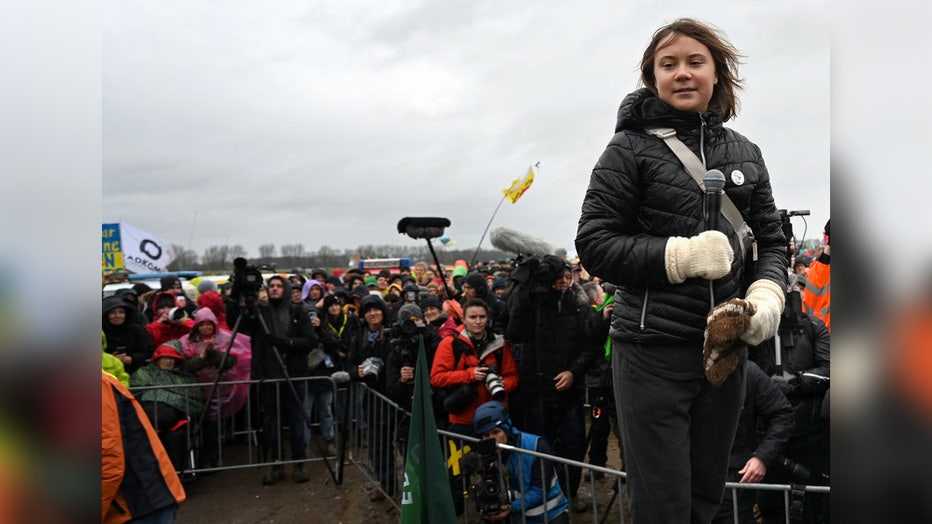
<point x="639" y="195"/>
<point x="806" y="348"/>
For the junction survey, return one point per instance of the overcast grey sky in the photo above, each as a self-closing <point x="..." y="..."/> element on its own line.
<point x="324" y="123"/>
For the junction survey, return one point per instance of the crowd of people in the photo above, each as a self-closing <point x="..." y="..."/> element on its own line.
<point x="540" y="328"/>
<point x="705" y="345"/>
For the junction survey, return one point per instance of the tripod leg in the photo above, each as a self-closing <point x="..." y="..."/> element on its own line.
<point x="298" y="399"/>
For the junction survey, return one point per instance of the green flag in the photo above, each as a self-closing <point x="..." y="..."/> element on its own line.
<point x="425" y="496"/>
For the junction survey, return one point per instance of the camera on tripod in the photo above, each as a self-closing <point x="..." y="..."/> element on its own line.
<point x="246" y="279"/>
<point x="484" y="479"/>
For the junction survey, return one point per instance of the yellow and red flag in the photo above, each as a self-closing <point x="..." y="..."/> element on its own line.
<point x="519" y="186"/>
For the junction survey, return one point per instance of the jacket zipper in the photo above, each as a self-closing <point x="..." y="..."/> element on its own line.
<point x="644" y="307"/>
<point x="702" y="126"/>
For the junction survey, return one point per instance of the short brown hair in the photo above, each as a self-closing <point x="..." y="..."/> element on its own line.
<point x="475" y="302"/>
<point x="724" y="55"/>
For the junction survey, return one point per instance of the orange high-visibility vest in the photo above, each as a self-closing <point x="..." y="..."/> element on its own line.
<point x="817" y="297"/>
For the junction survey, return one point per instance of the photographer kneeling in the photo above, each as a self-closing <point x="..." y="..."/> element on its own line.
<point x="535" y="492"/>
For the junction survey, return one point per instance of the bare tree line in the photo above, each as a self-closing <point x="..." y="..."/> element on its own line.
<point x="290" y="256"/>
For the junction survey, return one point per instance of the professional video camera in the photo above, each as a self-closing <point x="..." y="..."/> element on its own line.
<point x="406" y="330"/>
<point x="485" y="483"/>
<point x="537" y="273"/>
<point x="246" y="279"/>
<point x="404" y="333"/>
<point x="787" y="226"/>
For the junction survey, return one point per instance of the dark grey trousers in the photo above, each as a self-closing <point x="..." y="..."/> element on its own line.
<point x="677" y="435"/>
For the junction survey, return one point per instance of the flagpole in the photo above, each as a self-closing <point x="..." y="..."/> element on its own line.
<point x="514" y="187"/>
<point x="476" y="254"/>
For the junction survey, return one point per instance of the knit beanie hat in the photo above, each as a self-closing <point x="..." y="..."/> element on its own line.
<point x="206" y="285"/>
<point x="431" y="301"/>
<point x="459" y="271"/>
<point x="411" y="312"/>
<point x="476" y="280"/>
<point x="330" y="300"/>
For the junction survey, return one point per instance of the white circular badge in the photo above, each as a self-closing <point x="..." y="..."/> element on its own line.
<point x="737" y="177"/>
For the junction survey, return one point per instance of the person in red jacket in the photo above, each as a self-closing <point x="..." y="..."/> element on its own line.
<point x="165" y="327"/>
<point x="138" y="479"/>
<point x="461" y="366"/>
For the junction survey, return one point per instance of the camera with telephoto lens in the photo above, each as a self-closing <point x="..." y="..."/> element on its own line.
<point x="177" y="313"/>
<point x="246" y="279"/>
<point x="493" y="381"/>
<point x="484" y="479"/>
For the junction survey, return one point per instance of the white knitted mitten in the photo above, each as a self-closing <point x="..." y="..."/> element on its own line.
<point x="768" y="300"/>
<point x="707" y="255"/>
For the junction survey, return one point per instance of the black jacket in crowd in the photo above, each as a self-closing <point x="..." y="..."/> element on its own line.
<point x="805" y="348"/>
<point x="336" y="335"/>
<point x="405" y="354"/>
<point x="765" y="424"/>
<point x="129" y="337"/>
<point x="639" y="195"/>
<point x="290" y="331"/>
<point x="361" y="349"/>
<point x="555" y="336"/>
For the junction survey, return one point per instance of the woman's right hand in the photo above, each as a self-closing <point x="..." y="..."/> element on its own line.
<point x="480" y="373"/>
<point x="707" y="255"/>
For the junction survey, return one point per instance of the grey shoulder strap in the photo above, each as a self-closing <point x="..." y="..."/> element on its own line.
<point x="697" y="170"/>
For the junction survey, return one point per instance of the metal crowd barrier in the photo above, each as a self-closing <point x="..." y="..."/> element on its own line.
<point x="369" y="434"/>
<point x="245" y="427"/>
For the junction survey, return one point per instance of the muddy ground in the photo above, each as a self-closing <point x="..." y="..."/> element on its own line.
<point x="238" y="497"/>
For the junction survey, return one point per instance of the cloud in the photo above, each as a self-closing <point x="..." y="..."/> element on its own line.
<point x="270" y="123"/>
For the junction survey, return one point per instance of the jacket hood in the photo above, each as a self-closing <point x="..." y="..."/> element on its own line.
<point x="310" y="284"/>
<point x="204" y="315"/>
<point x="371" y="301"/>
<point x="158" y="296"/>
<point x="642" y="109"/>
<point x="286" y="297"/>
<point x="113" y="302"/>
<point x="477" y="281"/>
<point x="210" y="299"/>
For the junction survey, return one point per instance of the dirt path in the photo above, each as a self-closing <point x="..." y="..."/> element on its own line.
<point x="238" y="497"/>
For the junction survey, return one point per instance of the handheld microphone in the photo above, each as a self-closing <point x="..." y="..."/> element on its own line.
<point x="714" y="182"/>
